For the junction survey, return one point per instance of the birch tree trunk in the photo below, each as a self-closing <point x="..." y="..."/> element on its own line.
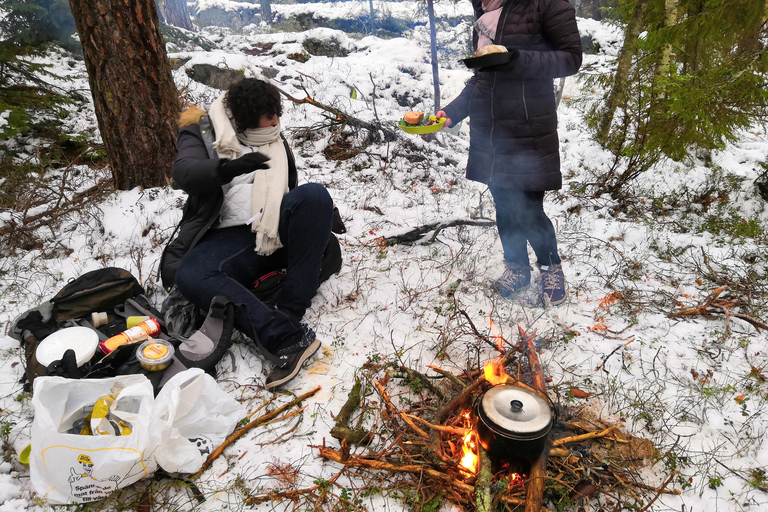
<point x="433" y="48"/>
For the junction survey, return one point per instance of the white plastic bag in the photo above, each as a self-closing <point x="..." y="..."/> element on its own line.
<point x="192" y="417"/>
<point x="71" y="468"/>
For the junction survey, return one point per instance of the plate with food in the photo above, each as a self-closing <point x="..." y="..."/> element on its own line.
<point x="491" y="55"/>
<point x="418" y="123"/>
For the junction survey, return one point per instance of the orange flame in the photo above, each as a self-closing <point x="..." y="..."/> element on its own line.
<point x="515" y="479"/>
<point x="468" y="459"/>
<point x="494" y="370"/>
<point x="496" y="335"/>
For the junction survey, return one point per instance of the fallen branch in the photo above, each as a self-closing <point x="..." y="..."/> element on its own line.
<point x="583" y="437"/>
<point x="261" y="420"/>
<point x="292" y="494"/>
<point x="712" y="303"/>
<point x="417" y="234"/>
<point x="538" y="474"/>
<point x="660" y="492"/>
<point x="483" y="483"/>
<point x="359" y="462"/>
<point x="342" y="430"/>
<point x="440" y="428"/>
<point x="343" y="118"/>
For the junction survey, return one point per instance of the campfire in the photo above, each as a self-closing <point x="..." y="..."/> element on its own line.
<point x="433" y="443"/>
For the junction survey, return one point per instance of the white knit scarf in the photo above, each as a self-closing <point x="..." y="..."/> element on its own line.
<point x="487" y="23"/>
<point x="269" y="185"/>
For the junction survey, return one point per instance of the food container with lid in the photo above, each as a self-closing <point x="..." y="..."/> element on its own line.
<point x="155" y="354"/>
<point x="82" y="340"/>
<point x="513" y="422"/>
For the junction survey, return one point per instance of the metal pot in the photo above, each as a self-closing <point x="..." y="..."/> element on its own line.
<point x="513" y="422"/>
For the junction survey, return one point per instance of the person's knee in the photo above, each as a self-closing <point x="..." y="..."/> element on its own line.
<point x="316" y="193"/>
<point x="314" y="196"/>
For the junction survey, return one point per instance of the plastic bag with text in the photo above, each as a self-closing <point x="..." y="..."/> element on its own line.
<point x="90" y="436"/>
<point x="192" y="416"/>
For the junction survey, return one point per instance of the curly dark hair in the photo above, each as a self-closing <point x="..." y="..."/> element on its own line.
<point x="250" y="99"/>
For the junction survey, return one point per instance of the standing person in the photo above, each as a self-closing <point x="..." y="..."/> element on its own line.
<point x="246" y="216"/>
<point x="514" y="146"/>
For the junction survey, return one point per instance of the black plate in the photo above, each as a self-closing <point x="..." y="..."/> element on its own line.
<point x="493" y="59"/>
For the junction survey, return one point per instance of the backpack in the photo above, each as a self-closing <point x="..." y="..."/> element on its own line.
<point x="116" y="294"/>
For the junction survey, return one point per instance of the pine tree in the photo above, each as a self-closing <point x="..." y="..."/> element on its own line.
<point x="22" y="85"/>
<point x="691" y="83"/>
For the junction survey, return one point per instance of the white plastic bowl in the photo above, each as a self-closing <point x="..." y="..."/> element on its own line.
<point x="82" y="340"/>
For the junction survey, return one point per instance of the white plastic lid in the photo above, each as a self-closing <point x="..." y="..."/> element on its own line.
<point x="82" y="340"/>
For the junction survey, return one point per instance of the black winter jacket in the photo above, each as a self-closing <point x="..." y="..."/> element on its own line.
<point x="513" y="115"/>
<point x="195" y="171"/>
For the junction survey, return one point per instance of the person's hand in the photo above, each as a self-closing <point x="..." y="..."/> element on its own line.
<point x="249" y="162"/>
<point x="514" y="53"/>
<point x="441" y="115"/>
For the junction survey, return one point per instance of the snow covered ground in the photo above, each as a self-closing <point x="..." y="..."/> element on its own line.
<point x="675" y="381"/>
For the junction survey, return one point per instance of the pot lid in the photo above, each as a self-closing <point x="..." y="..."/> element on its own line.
<point x="516" y="409"/>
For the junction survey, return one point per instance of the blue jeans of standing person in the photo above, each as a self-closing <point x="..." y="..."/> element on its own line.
<point x="225" y="262"/>
<point x="521" y="220"/>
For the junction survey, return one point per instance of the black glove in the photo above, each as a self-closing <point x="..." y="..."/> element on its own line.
<point x="513" y="53"/>
<point x="229" y="169"/>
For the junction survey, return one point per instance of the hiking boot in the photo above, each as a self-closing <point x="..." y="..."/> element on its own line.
<point x="515" y="279"/>
<point x="291" y="364"/>
<point x="553" y="284"/>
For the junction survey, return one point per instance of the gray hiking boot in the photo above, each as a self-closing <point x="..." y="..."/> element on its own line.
<point x="515" y="279"/>
<point x="553" y="286"/>
<point x="291" y="364"/>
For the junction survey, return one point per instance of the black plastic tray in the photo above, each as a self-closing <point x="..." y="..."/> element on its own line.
<point x="493" y="59"/>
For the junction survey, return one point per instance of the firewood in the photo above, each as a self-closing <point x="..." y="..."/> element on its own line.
<point x="583" y="437"/>
<point x="483" y="483"/>
<point x="538" y="473"/>
<point x="375" y="464"/>
<point x="352" y="435"/>
<point x="342" y="430"/>
<point x="441" y="428"/>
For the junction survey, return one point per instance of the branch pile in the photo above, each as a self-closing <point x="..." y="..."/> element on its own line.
<point x="417" y="429"/>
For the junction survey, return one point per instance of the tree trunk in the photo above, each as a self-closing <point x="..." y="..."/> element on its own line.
<point x="628" y="51"/>
<point x="433" y="48"/>
<point x="175" y="12"/>
<point x="373" y="17"/>
<point x="133" y="92"/>
<point x="266" y="10"/>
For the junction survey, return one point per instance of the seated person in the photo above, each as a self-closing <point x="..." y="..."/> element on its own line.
<point x="246" y="216"/>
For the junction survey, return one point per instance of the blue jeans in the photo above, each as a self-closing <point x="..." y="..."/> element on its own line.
<point x="521" y="220"/>
<point x="225" y="262"/>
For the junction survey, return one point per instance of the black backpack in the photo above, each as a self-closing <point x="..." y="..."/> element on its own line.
<point x="117" y="293"/>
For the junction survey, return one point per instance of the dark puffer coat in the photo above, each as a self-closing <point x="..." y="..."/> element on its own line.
<point x="513" y="117"/>
<point x="195" y="171"/>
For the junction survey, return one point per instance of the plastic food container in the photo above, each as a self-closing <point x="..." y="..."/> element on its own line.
<point x="80" y="339"/>
<point x="155" y="355"/>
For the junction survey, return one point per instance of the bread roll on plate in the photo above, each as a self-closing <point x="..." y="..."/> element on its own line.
<point x="491" y="48"/>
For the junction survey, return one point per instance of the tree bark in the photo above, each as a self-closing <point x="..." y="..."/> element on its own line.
<point x="628" y="51"/>
<point x="266" y="10"/>
<point x="373" y="16"/>
<point x="134" y="95"/>
<point x="433" y="49"/>
<point x="175" y="12"/>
